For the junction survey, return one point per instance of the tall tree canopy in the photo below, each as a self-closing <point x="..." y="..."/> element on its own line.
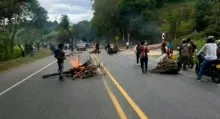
<point x="120" y="17"/>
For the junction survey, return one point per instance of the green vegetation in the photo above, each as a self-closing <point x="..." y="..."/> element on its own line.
<point x="147" y="19"/>
<point x="25" y="22"/>
<point x="21" y="22"/>
<point x="20" y="61"/>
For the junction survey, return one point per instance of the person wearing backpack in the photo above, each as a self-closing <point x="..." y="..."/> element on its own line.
<point x="184" y="53"/>
<point x="144" y="57"/>
<point x="60" y="55"/>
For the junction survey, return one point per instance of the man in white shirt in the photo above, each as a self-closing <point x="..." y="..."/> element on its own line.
<point x="210" y="49"/>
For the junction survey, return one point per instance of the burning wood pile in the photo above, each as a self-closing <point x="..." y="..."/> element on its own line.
<point x="88" y="69"/>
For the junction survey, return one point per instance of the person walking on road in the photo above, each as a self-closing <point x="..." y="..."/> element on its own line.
<point x="60" y="55"/>
<point x="97" y="47"/>
<point x="111" y="50"/>
<point x="127" y="45"/>
<point x="38" y="46"/>
<point x="137" y="51"/>
<point x="144" y="57"/>
<point x="31" y="49"/>
<point x="185" y="54"/>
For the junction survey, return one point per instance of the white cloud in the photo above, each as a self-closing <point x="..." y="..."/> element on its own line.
<point x="77" y="10"/>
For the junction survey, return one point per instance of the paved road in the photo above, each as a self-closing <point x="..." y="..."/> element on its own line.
<point x="124" y="92"/>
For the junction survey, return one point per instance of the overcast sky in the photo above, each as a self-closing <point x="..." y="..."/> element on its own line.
<point x="77" y="10"/>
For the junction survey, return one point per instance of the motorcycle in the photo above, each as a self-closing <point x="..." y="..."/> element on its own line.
<point x="212" y="70"/>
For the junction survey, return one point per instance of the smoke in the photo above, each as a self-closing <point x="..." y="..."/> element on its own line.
<point x="143" y="28"/>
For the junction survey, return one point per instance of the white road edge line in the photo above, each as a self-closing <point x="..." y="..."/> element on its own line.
<point x="23" y="80"/>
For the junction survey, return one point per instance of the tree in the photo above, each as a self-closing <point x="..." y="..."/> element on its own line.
<point x="105" y="20"/>
<point x="202" y="10"/>
<point x="65" y="24"/>
<point x="121" y="17"/>
<point x="140" y="18"/>
<point x="214" y="23"/>
<point x="160" y="3"/>
<point x="81" y="29"/>
<point x="21" y="15"/>
<point x="65" y="28"/>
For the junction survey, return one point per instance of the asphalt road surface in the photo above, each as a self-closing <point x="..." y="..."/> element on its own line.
<point x="122" y="93"/>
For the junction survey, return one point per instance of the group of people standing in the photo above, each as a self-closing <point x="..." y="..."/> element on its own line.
<point x="110" y="47"/>
<point x="187" y="49"/>
<point x="29" y="48"/>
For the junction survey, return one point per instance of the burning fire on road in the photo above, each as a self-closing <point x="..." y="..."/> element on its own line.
<point x="80" y="71"/>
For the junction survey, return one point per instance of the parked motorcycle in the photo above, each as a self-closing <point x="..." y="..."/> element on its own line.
<point x="212" y="70"/>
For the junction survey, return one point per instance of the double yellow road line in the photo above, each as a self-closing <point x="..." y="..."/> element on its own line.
<point x="121" y="113"/>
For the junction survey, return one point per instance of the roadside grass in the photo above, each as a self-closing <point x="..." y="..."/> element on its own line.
<point x="6" y="65"/>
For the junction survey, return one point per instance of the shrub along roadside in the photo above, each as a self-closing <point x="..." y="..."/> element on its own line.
<point x="16" y="52"/>
<point x="20" y="61"/>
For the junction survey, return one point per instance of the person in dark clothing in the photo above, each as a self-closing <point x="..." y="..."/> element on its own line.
<point x="144" y="57"/>
<point x="32" y="49"/>
<point x="184" y="48"/>
<point x="38" y="46"/>
<point x="97" y="47"/>
<point x="138" y="52"/>
<point x="52" y="48"/>
<point x="108" y="47"/>
<point x="60" y="55"/>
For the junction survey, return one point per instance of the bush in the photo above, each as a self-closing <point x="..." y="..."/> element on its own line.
<point x="198" y="37"/>
<point x="200" y="43"/>
<point x="16" y="52"/>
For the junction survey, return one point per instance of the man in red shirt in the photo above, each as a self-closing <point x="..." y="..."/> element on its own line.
<point x="144" y="57"/>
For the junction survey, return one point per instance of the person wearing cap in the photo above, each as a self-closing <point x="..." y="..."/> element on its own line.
<point x="210" y="50"/>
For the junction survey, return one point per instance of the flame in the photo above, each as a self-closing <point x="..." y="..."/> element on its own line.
<point x="75" y="63"/>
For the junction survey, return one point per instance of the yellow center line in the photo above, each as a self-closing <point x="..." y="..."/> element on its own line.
<point x="112" y="97"/>
<point x="140" y="113"/>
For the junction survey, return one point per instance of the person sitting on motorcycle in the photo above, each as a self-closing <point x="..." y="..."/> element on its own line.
<point x="210" y="49"/>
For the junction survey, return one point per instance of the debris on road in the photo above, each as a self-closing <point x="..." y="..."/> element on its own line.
<point x="168" y="66"/>
<point x="88" y="69"/>
<point x="95" y="51"/>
